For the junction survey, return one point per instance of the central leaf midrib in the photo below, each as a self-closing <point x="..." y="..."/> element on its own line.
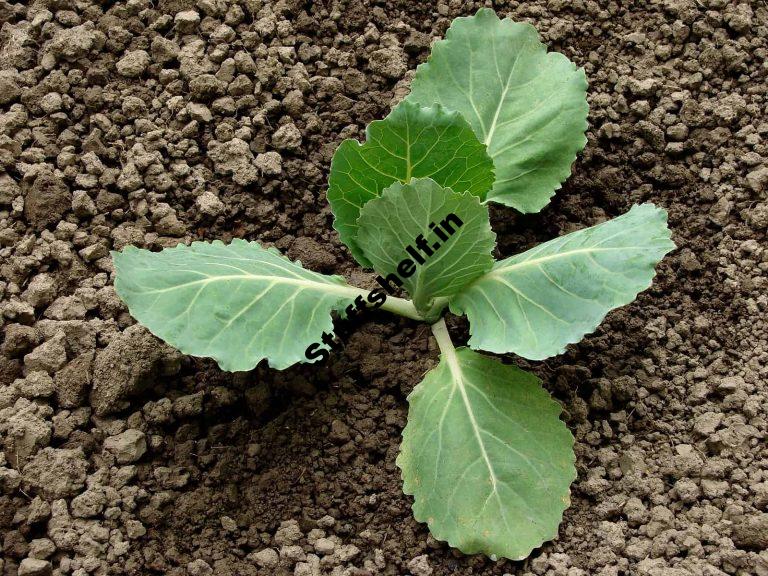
<point x="539" y="260"/>
<point x="408" y="167"/>
<point x="458" y="377"/>
<point x="489" y="136"/>
<point x="495" y="273"/>
<point x="319" y="286"/>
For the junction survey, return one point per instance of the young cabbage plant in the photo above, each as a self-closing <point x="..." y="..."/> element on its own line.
<point x="491" y="117"/>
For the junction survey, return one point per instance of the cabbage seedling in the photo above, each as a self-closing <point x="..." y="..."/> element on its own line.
<point x="491" y="117"/>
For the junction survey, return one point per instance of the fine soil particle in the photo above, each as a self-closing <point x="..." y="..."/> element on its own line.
<point x="153" y="123"/>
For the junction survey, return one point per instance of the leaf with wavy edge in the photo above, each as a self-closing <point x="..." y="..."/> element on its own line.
<point x="411" y="142"/>
<point x="392" y="222"/>
<point x="237" y="303"/>
<point x="527" y="105"/>
<point x="486" y="457"/>
<point x="536" y="303"/>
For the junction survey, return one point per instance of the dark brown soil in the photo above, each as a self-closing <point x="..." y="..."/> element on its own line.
<point x="118" y="456"/>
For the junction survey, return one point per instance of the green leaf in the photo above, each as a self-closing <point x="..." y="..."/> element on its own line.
<point x="527" y="105"/>
<point x="237" y="303"/>
<point x="412" y="142"/>
<point x="537" y="302"/>
<point x="486" y="457"/>
<point x="392" y="222"/>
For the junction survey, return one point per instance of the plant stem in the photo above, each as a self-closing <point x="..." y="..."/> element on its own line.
<point x="438" y="305"/>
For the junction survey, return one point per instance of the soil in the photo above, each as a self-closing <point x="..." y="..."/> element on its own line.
<point x="153" y="123"/>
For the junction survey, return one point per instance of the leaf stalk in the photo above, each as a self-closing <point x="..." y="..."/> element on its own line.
<point x="399" y="306"/>
<point x="440" y="331"/>
<point x="402" y="307"/>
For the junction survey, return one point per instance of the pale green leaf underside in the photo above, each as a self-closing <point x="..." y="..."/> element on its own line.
<point x="486" y="457"/>
<point x="411" y="142"/>
<point x="527" y="105"/>
<point x="536" y="303"/>
<point x="237" y="303"/>
<point x="392" y="222"/>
